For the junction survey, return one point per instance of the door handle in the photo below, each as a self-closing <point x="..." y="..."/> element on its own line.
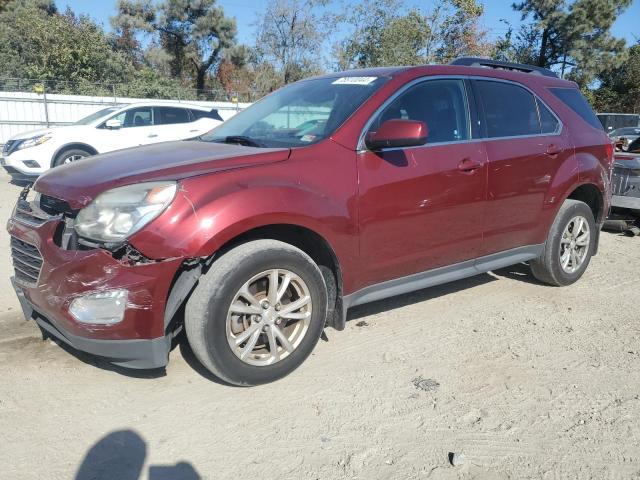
<point x="152" y="135"/>
<point x="553" y="150"/>
<point x="469" y="166"/>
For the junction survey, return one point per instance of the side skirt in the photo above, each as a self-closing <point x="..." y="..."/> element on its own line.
<point x="438" y="276"/>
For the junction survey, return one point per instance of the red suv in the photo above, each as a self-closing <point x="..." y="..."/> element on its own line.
<point x="329" y="193"/>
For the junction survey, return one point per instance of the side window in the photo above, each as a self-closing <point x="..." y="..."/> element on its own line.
<point x="510" y="110"/>
<point x="441" y="104"/>
<point x="171" y="115"/>
<point x="135" y="117"/>
<point x="548" y="122"/>
<point x="576" y="102"/>
<point x="198" y="114"/>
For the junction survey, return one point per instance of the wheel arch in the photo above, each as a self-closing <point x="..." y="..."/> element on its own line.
<point x="590" y="194"/>
<point x="71" y="146"/>
<point x="314" y="245"/>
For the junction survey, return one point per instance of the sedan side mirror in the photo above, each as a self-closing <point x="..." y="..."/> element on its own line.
<point x="113" y="124"/>
<point x="398" y="133"/>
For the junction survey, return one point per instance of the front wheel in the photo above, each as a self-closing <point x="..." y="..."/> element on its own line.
<point x="70" y="156"/>
<point x="257" y="314"/>
<point x="569" y="246"/>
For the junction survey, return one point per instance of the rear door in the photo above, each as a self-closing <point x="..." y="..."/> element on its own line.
<point x="526" y="146"/>
<point x="174" y="123"/>
<point x="422" y="207"/>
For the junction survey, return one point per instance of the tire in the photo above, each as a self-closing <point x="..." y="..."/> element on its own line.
<point x="548" y="268"/>
<point x="71" y="155"/>
<point x="212" y="329"/>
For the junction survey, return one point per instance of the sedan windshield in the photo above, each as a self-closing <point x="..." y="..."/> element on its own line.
<point x="97" y="116"/>
<point x="299" y="114"/>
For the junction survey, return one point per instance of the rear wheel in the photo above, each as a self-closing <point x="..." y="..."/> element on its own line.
<point x="69" y="156"/>
<point x="257" y="314"/>
<point x="569" y="246"/>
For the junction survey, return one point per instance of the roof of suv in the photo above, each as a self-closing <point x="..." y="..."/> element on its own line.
<point x="426" y="70"/>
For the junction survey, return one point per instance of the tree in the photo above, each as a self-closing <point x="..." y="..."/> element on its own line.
<point x="619" y="89"/>
<point x="383" y="35"/>
<point x="38" y="43"/>
<point x="193" y="33"/>
<point x="460" y="33"/>
<point x="290" y="36"/>
<point x="383" y="32"/>
<point x="573" y="34"/>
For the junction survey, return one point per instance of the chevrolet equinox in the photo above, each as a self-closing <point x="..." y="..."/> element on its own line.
<point x="329" y="193"/>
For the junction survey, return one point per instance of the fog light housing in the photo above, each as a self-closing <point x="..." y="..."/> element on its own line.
<point x="31" y="163"/>
<point x="100" y="308"/>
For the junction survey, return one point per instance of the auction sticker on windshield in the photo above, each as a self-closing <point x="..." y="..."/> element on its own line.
<point x="355" y="80"/>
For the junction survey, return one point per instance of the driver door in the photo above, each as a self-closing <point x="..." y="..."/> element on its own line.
<point x="423" y="207"/>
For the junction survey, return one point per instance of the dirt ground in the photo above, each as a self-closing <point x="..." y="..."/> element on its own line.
<point x="526" y="381"/>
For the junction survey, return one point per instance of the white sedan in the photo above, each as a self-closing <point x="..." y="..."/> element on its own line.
<point x="29" y="154"/>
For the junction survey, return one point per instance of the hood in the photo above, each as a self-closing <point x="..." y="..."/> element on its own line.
<point x="31" y="133"/>
<point x="42" y="131"/>
<point x="79" y="183"/>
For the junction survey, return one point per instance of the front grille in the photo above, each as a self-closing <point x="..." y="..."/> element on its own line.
<point x="624" y="180"/>
<point x="27" y="261"/>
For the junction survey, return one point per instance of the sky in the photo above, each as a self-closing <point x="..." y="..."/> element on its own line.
<point x="247" y="11"/>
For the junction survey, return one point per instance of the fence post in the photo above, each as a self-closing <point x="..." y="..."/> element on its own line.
<point x="113" y="90"/>
<point x="46" y="106"/>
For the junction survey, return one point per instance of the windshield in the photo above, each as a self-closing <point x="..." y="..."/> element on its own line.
<point x="97" y="116"/>
<point x="299" y="114"/>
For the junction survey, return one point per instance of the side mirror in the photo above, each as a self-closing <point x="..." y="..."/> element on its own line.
<point x="113" y="124"/>
<point x="398" y="133"/>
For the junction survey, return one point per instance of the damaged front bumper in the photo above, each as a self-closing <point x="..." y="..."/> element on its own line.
<point x="48" y="278"/>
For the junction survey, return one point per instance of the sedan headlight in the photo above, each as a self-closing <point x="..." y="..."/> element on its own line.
<point x="118" y="213"/>
<point x="34" y="141"/>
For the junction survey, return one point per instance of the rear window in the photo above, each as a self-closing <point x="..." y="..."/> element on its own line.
<point x="572" y="98"/>
<point x="198" y="114"/>
<point x="510" y="110"/>
<point x="170" y="115"/>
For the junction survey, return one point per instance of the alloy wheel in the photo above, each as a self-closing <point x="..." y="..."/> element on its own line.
<point x="71" y="158"/>
<point x="574" y="244"/>
<point x="268" y="317"/>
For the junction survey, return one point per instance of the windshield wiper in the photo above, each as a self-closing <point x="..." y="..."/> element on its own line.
<point x="240" y="140"/>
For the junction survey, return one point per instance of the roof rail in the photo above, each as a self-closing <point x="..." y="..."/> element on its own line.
<point x="497" y="64"/>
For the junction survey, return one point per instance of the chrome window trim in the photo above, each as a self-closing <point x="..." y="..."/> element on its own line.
<point x="361" y="146"/>
<point x="536" y="98"/>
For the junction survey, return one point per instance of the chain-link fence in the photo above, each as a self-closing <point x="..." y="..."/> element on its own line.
<point x="27" y="104"/>
<point x="167" y="90"/>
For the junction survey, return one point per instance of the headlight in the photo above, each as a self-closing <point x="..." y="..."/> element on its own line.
<point x="118" y="213"/>
<point x="34" y="141"/>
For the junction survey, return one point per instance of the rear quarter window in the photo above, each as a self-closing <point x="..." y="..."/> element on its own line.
<point x="573" y="99"/>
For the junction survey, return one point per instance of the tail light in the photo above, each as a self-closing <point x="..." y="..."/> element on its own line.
<point x="609" y="149"/>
